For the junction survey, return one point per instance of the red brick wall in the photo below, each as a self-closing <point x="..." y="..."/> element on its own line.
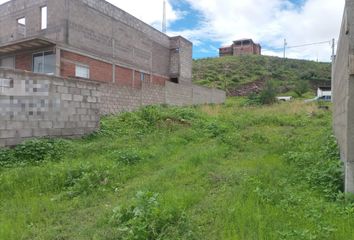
<point x="23" y="61"/>
<point x="137" y="80"/>
<point x="99" y="70"/>
<point x="159" y="80"/>
<point x="124" y="76"/>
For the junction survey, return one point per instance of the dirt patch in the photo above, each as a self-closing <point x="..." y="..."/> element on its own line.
<point x="248" y="88"/>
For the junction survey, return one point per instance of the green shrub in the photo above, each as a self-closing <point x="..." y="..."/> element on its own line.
<point x="268" y="94"/>
<point x="322" y="169"/>
<point x="34" y="151"/>
<point x="253" y="99"/>
<point x="301" y="87"/>
<point x="85" y="180"/>
<point x="129" y="157"/>
<point x="146" y="219"/>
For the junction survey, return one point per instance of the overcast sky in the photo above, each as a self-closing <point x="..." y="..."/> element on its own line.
<point x="212" y="23"/>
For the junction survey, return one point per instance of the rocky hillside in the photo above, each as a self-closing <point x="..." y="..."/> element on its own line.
<point x="243" y="74"/>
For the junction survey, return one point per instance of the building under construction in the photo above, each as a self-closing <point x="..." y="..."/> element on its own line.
<point x="241" y="47"/>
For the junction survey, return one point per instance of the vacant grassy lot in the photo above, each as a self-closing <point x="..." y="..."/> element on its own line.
<point x="210" y="172"/>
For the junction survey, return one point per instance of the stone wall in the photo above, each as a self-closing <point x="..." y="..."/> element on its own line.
<point x="343" y="94"/>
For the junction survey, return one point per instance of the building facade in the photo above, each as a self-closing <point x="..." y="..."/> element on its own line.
<point x="89" y="39"/>
<point x="241" y="47"/>
<point x="343" y="94"/>
<point x="65" y="63"/>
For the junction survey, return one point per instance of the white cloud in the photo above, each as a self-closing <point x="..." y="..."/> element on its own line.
<point x="150" y="11"/>
<point x="266" y="21"/>
<point x="269" y="22"/>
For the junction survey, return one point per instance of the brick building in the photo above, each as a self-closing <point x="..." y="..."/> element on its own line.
<point x="89" y="39"/>
<point x="241" y="47"/>
<point x="65" y="63"/>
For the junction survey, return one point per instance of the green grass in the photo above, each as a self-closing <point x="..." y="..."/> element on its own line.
<point x="228" y="73"/>
<point x="209" y="172"/>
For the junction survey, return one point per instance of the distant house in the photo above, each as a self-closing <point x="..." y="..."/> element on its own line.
<point x="324" y="91"/>
<point x="241" y="47"/>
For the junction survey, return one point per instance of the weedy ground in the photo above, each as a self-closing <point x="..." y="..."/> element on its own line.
<point x="212" y="172"/>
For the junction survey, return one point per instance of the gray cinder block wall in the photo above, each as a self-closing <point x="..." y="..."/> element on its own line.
<point x="37" y="105"/>
<point x="343" y="94"/>
<point x="34" y="105"/>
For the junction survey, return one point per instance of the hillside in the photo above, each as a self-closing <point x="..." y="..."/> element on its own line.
<point x="168" y="173"/>
<point x="231" y="73"/>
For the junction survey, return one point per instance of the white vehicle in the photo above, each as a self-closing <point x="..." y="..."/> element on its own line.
<point x="285" y="98"/>
<point x="320" y="99"/>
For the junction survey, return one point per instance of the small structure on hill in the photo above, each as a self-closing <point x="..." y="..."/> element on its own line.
<point x="241" y="47"/>
<point x="324" y="91"/>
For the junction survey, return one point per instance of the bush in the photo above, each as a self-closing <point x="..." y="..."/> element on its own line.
<point x="268" y="94"/>
<point x="33" y="152"/>
<point x="301" y="87"/>
<point x="146" y="219"/>
<point x="128" y="157"/>
<point x="253" y="99"/>
<point x="322" y="169"/>
<point x="85" y="180"/>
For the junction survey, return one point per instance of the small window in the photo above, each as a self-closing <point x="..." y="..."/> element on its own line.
<point x="44" y="62"/>
<point x="82" y="71"/>
<point x="142" y="76"/>
<point x="21" y="26"/>
<point x="44" y="17"/>
<point x="174" y="80"/>
<point x="22" y="21"/>
<point x="7" y="62"/>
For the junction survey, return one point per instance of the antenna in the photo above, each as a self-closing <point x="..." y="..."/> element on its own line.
<point x="164" y="25"/>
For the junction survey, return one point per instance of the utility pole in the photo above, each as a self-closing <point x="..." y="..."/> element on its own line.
<point x="285" y="44"/>
<point x="164" y="25"/>
<point x="333" y="62"/>
<point x="333" y="49"/>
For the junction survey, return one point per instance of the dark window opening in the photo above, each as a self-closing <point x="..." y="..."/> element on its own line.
<point x="174" y="80"/>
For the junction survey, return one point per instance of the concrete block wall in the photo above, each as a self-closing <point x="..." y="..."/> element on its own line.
<point x="116" y="99"/>
<point x="38" y="105"/>
<point x="152" y="94"/>
<point x="183" y="95"/>
<point x="179" y="94"/>
<point x="343" y="94"/>
<point x="219" y="96"/>
<point x="33" y="105"/>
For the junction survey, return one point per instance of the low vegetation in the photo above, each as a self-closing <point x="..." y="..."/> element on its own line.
<point x="235" y="171"/>
<point x="229" y="73"/>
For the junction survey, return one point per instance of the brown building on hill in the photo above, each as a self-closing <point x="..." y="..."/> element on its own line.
<point x="241" y="47"/>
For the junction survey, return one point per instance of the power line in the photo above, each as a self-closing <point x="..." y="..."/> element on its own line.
<point x="310" y="44"/>
<point x="302" y="45"/>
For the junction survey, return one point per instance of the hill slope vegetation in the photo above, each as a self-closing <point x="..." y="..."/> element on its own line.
<point x="231" y="72"/>
<point x="209" y="172"/>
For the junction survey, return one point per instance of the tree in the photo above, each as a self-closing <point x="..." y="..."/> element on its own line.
<point x="301" y="87"/>
<point x="269" y="93"/>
